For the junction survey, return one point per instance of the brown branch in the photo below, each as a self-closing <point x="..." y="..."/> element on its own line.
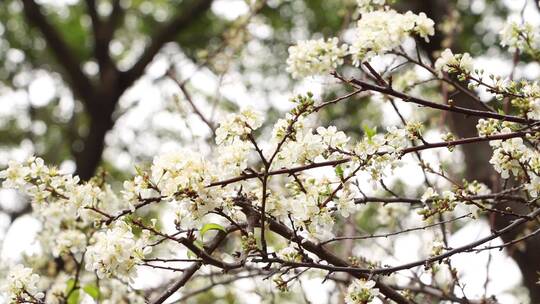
<point x="190" y="271"/>
<point x="386" y="235"/>
<point x="324" y="254"/>
<point x="407" y="98"/>
<point x="103" y="32"/>
<point x="182" y="86"/>
<point x="330" y="163"/>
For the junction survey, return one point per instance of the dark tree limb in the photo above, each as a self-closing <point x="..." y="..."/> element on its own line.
<point x="166" y="34"/>
<point x="81" y="85"/>
<point x="477" y="166"/>
<point x="191" y="270"/>
<point x="103" y="32"/>
<point x="330" y="257"/>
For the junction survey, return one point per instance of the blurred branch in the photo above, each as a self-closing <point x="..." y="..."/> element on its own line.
<point x="182" y="86"/>
<point x="65" y="57"/>
<point x="164" y="35"/>
<point x="92" y="11"/>
<point x="443" y="295"/>
<point x="103" y="32"/>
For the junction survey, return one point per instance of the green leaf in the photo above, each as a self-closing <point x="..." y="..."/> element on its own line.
<point x="70" y="284"/>
<point x="369" y="131"/>
<point x="70" y="288"/>
<point x="73" y="297"/>
<point x="92" y="290"/>
<point x="210" y="226"/>
<point x="339" y="171"/>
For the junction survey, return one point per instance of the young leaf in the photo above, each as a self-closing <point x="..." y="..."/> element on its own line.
<point x="339" y="171"/>
<point x="92" y="290"/>
<point x="370" y="132"/>
<point x="210" y="226"/>
<point x="73" y="297"/>
<point x="70" y="284"/>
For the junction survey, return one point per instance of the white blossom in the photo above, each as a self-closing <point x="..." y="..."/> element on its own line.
<point x="380" y="31"/>
<point x="448" y="62"/>
<point x="238" y="125"/>
<point x="179" y="172"/>
<point x="289" y="254"/>
<point x="361" y="292"/>
<point x="116" y="251"/>
<point x="15" y="174"/>
<point x="346" y="202"/>
<point x="315" y="57"/>
<point x="72" y="240"/>
<point x="518" y="36"/>
<point x="429" y="194"/>
<point x="507" y="154"/>
<point x="233" y="158"/>
<point x="57" y="292"/>
<point x="332" y="137"/>
<point x="20" y="283"/>
<point x="533" y="187"/>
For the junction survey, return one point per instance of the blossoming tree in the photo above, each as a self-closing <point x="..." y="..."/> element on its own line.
<point x="275" y="205"/>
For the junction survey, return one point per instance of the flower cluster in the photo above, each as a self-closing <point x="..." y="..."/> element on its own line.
<point x="377" y="152"/>
<point x="303" y="178"/>
<point x="20" y="285"/>
<point x="512" y="156"/>
<point x="391" y="25"/>
<point x="307" y="145"/>
<point x="436" y="203"/>
<point x="290" y="254"/>
<point x="458" y="63"/>
<point x="305" y="206"/>
<point x="414" y="130"/>
<point x="361" y="292"/>
<point x="58" y="290"/>
<point x="519" y="36"/>
<point x="117" y="251"/>
<point x="69" y="241"/>
<point x="238" y="125"/>
<point x="320" y="56"/>
<point x="313" y="57"/>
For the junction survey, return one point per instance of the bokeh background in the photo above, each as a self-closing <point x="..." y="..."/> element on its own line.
<point x="100" y="86"/>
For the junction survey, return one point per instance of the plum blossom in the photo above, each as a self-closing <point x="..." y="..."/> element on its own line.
<point x="289" y="254"/>
<point x="238" y="125"/>
<point x="117" y="251"/>
<point x="450" y="62"/>
<point x="20" y="285"/>
<point x="315" y="57"/>
<point x="361" y="292"/>
<point x="391" y="25"/>
<point x="518" y="36"/>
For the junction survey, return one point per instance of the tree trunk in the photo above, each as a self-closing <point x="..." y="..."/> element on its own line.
<point x="477" y="166"/>
<point x="89" y="157"/>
